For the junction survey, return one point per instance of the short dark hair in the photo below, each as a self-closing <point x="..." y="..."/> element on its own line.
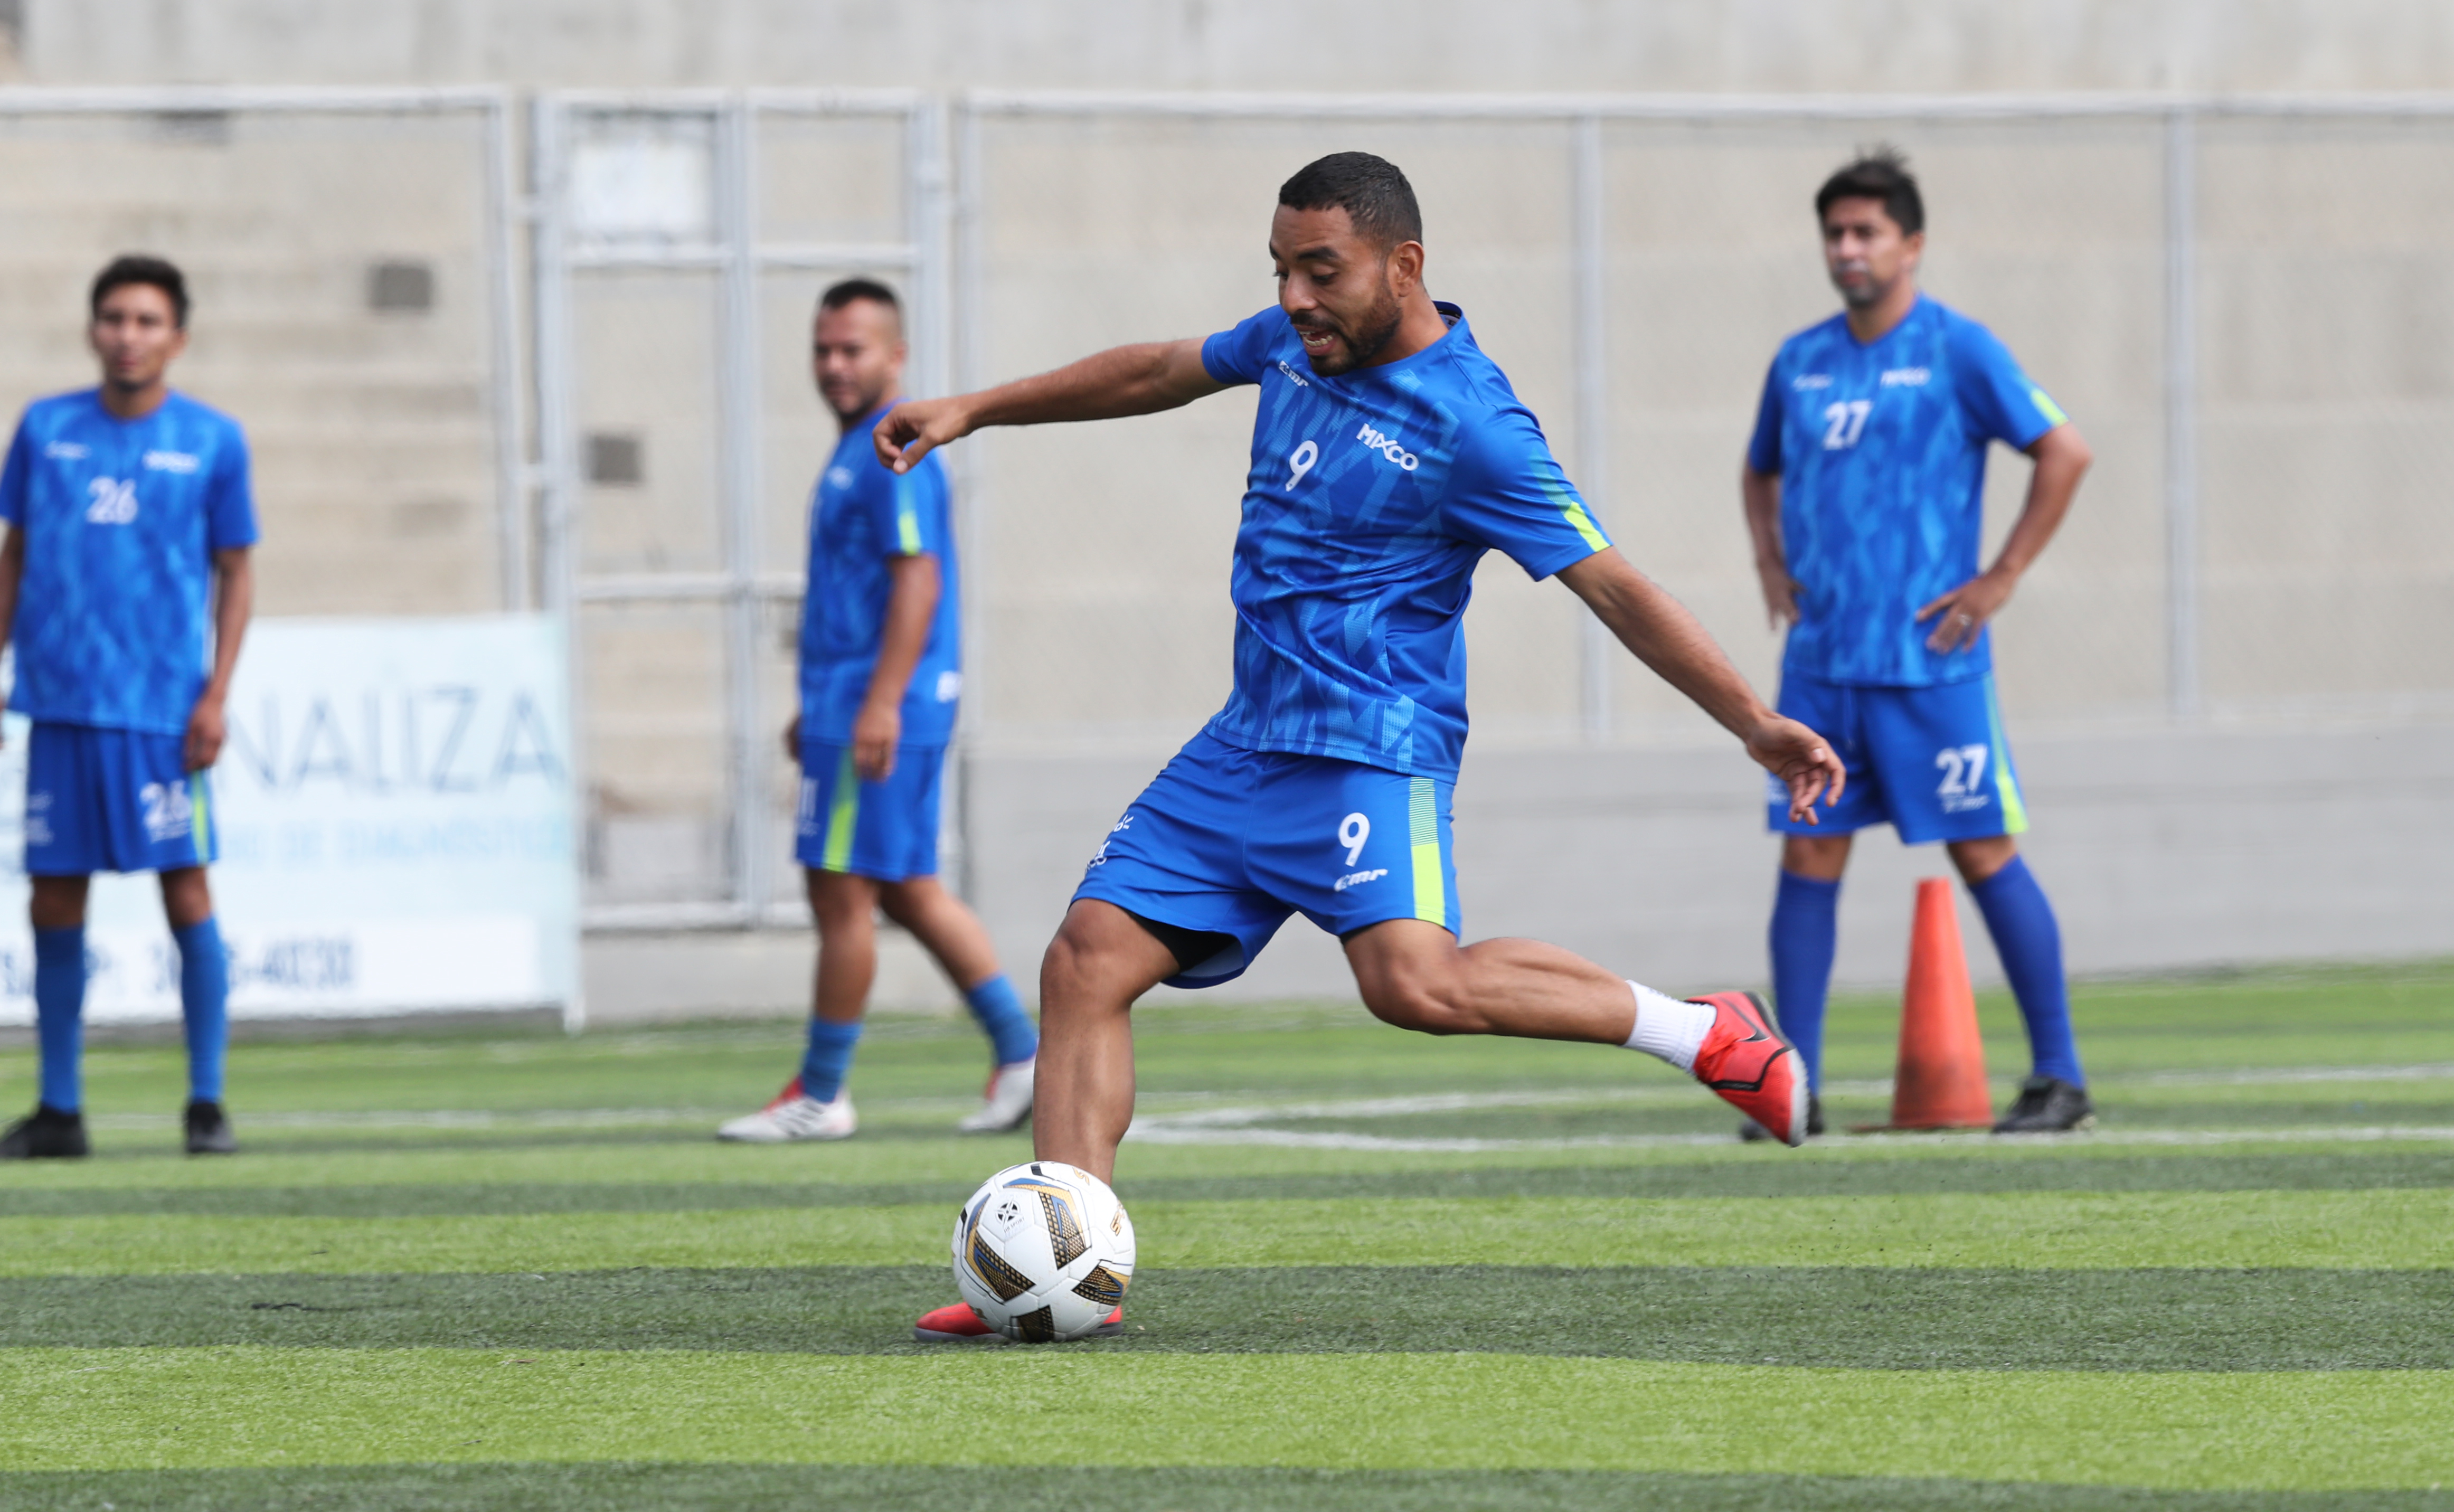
<point x="1879" y="172"/>
<point x="853" y="289"/>
<point x="135" y="268"/>
<point x="1374" y="193"/>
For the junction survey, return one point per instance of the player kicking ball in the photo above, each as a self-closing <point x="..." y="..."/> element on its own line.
<point x="880" y="673"/>
<point x="1389" y="455"/>
<point x="1865" y="492"/>
<point x="130" y="519"/>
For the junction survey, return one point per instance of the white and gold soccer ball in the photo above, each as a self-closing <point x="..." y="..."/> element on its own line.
<point x="1043" y="1252"/>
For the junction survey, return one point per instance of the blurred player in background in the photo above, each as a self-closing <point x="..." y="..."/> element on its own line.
<point x="130" y="518"/>
<point x="1388" y="455"/>
<point x="880" y="673"/>
<point x="1865" y="489"/>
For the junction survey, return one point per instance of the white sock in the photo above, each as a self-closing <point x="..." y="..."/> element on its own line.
<point x="1668" y="1028"/>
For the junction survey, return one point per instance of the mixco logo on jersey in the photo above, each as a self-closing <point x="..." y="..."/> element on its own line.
<point x="1374" y="440"/>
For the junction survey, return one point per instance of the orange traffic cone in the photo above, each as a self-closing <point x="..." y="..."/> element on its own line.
<point x="1940" y="1083"/>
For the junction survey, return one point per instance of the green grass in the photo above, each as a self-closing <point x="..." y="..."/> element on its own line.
<point x="2379" y="1230"/>
<point x="478" y="1270"/>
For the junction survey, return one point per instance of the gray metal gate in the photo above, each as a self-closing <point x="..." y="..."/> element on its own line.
<point x="677" y="237"/>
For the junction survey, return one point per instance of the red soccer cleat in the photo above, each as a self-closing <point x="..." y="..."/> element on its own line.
<point x="958" y="1324"/>
<point x="1745" y="1059"/>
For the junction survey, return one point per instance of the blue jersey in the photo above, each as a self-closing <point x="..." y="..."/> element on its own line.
<point x="121" y="519"/>
<point x="1880" y="452"/>
<point x="1372" y="496"/>
<point x="862" y="516"/>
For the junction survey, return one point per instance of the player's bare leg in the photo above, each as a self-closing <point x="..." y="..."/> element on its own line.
<point x="1099" y="964"/>
<point x="845" y="909"/>
<point x="1821" y="856"/>
<point x="1416" y="976"/>
<point x="58" y="902"/>
<point x="953" y="934"/>
<point x="945" y="928"/>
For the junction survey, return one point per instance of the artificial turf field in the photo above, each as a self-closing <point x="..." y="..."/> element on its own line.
<point x="1378" y="1271"/>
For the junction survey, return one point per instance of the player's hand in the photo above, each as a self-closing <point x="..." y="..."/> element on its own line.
<point x="1965" y="609"/>
<point x="205" y="729"/>
<point x="1803" y="761"/>
<point x="1780" y="594"/>
<point x="874" y="733"/>
<point x="792" y="738"/>
<point x="912" y="430"/>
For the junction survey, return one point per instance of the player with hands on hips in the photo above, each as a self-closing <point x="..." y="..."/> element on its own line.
<point x="129" y="520"/>
<point x="1865" y="495"/>
<point x="880" y="672"/>
<point x="1389" y="455"/>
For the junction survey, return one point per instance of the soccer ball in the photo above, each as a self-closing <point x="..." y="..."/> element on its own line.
<point x="1043" y="1252"/>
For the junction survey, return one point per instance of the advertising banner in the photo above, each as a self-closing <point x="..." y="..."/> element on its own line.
<point x="395" y="815"/>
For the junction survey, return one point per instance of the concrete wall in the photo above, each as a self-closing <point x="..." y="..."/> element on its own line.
<point x="1613" y="45"/>
<point x="2162" y="851"/>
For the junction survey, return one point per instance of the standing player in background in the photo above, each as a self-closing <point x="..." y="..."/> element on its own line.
<point x="130" y="519"/>
<point x="880" y="671"/>
<point x="1864" y="488"/>
<point x="1388" y="455"/>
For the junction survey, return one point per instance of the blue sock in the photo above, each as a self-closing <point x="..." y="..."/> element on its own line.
<point x="59" y="1014"/>
<point x="2030" y="944"/>
<point x="998" y="1007"/>
<point x="828" y="1058"/>
<point x="203" y="1003"/>
<point x="1804" y="930"/>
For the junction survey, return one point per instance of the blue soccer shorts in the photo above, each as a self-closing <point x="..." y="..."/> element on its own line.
<point x="1230" y="842"/>
<point x="887" y="831"/>
<point x="1931" y="763"/>
<point x="114" y="800"/>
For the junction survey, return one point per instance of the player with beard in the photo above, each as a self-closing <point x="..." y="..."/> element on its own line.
<point x="880" y="672"/>
<point x="1388" y="455"/>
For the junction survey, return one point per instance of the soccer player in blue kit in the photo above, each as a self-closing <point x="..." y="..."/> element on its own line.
<point x="1388" y="455"/>
<point x="1864" y="491"/>
<point x="881" y="673"/>
<point x="130" y="519"/>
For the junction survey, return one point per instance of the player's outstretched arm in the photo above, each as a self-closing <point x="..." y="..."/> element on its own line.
<point x="2062" y="457"/>
<point x="1142" y="379"/>
<point x="1667" y="638"/>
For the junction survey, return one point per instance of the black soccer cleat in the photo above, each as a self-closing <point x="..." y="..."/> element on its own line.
<point x="1753" y="1133"/>
<point x="209" y="1130"/>
<point x="45" y="1133"/>
<point x="2048" y="1105"/>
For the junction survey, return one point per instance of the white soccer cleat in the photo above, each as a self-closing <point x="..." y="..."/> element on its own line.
<point x="794" y="1116"/>
<point x="1008" y="1102"/>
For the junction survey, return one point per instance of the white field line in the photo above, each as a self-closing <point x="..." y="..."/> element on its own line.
<point x="1197" y="1126"/>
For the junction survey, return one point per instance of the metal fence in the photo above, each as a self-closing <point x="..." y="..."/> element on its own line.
<point x="681" y="242"/>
